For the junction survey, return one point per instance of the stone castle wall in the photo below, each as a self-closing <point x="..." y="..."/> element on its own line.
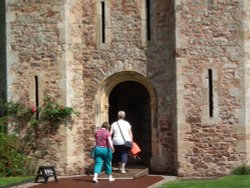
<point x="125" y="50"/>
<point x="60" y="42"/>
<point x="46" y="39"/>
<point x="35" y="47"/>
<point x="209" y="36"/>
<point x="246" y="51"/>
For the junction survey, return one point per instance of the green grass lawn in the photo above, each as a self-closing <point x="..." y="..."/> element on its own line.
<point x="224" y="182"/>
<point x="12" y="180"/>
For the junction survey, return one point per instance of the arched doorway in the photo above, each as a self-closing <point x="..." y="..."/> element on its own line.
<point x="134" y="99"/>
<point x="137" y="88"/>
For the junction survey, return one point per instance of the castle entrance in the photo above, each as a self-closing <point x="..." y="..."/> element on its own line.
<point x="133" y="93"/>
<point x="134" y="99"/>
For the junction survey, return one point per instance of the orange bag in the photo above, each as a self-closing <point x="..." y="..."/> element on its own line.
<point x="135" y="149"/>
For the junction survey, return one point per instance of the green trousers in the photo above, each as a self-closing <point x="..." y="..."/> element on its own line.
<point x="103" y="156"/>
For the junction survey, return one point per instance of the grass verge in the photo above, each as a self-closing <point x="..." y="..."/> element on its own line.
<point x="223" y="182"/>
<point x="4" y="181"/>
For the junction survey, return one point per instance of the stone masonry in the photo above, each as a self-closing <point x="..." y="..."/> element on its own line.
<point x="60" y="42"/>
<point x="209" y="36"/>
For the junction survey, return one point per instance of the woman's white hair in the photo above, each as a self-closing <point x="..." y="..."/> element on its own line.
<point x="121" y="114"/>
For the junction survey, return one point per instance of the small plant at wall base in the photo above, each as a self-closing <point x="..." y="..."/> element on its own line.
<point x="242" y="169"/>
<point x="14" y="162"/>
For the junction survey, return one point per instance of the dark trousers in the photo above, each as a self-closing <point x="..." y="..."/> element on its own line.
<point x="121" y="154"/>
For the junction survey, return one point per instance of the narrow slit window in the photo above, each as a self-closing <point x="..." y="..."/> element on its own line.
<point x="37" y="96"/>
<point x="148" y="22"/>
<point x="103" y="21"/>
<point x="210" y="92"/>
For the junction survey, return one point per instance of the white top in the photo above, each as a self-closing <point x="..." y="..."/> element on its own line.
<point x="117" y="137"/>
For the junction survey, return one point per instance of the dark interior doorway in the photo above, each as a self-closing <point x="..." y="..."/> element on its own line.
<point x="134" y="99"/>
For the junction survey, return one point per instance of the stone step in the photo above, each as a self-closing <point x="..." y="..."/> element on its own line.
<point x="132" y="172"/>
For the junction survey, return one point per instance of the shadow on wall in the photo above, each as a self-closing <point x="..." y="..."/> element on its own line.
<point x="3" y="75"/>
<point x="161" y="48"/>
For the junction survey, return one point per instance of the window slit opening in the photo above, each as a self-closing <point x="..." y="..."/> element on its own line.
<point x="103" y="21"/>
<point x="148" y="22"/>
<point x="210" y="92"/>
<point x="36" y="96"/>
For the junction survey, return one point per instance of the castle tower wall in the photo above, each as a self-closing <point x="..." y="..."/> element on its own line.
<point x="245" y="29"/>
<point x="35" y="50"/>
<point x="210" y="87"/>
<point x="190" y="55"/>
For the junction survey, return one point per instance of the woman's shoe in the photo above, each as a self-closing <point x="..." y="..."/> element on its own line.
<point x="123" y="171"/>
<point x="95" y="180"/>
<point x="120" y="165"/>
<point x="111" y="179"/>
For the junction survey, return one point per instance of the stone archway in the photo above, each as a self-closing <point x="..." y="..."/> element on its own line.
<point x="102" y="104"/>
<point x="133" y="98"/>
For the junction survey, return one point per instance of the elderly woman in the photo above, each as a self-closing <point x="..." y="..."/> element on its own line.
<point x="103" y="152"/>
<point x="121" y="129"/>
